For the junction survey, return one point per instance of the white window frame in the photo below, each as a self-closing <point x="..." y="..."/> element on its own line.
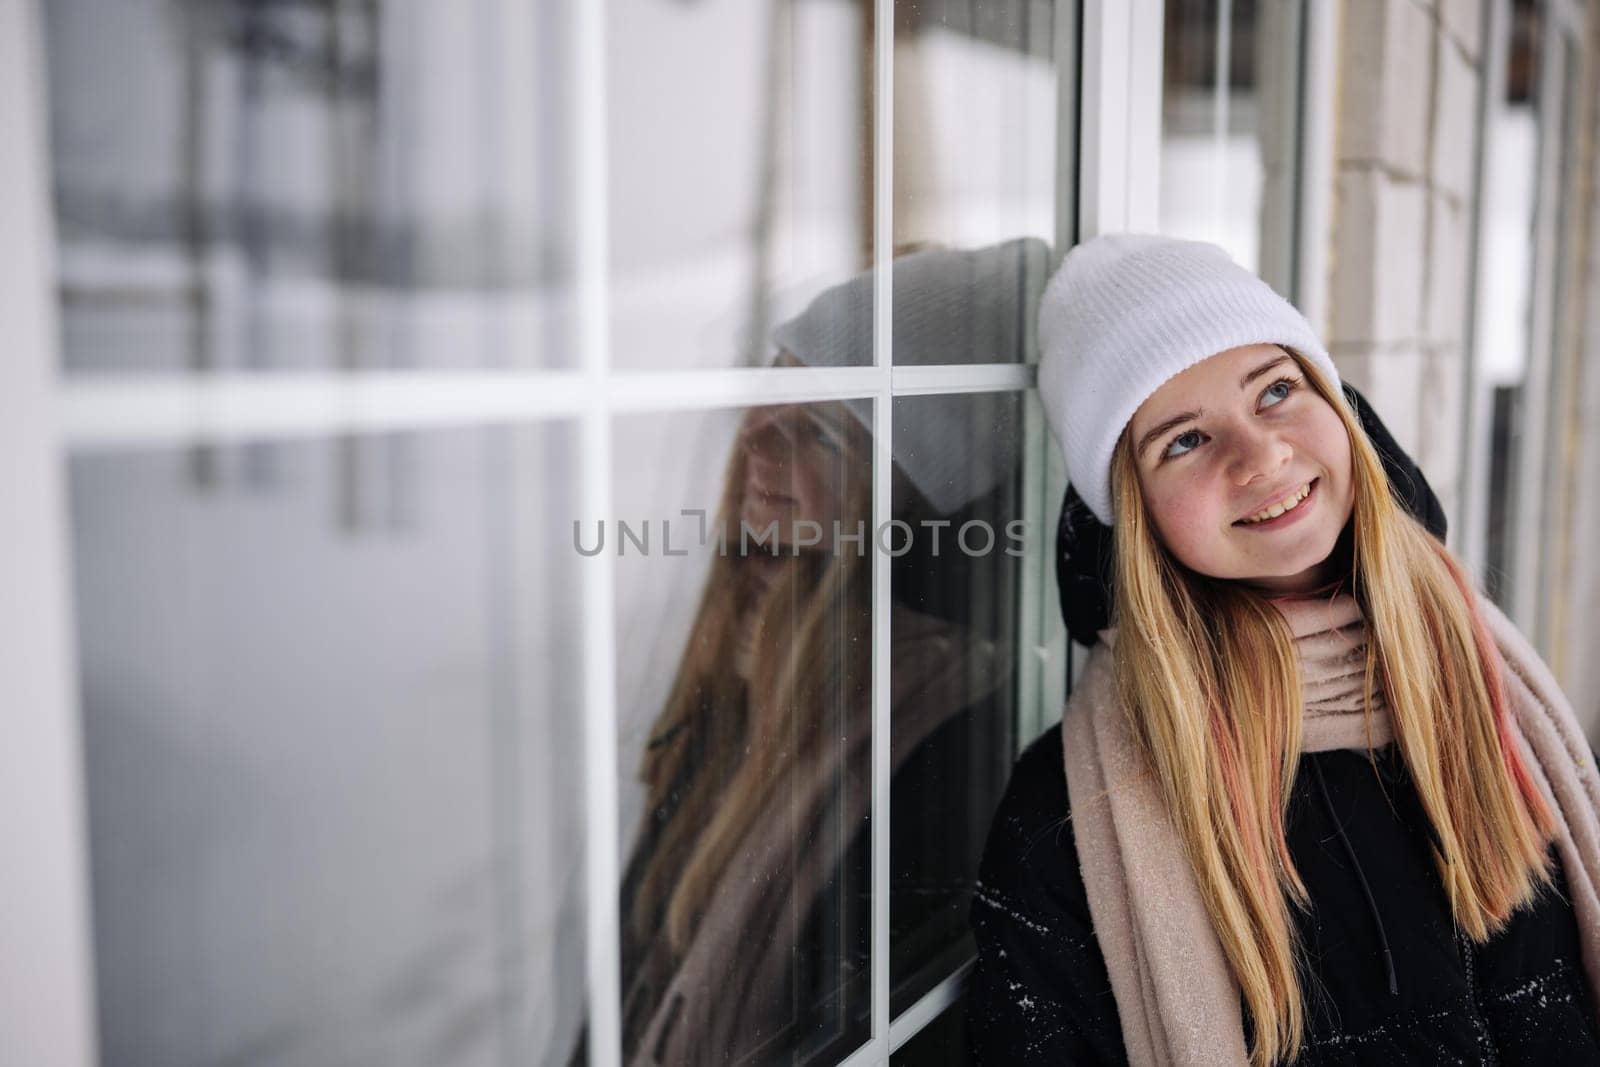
<point x="46" y="983"/>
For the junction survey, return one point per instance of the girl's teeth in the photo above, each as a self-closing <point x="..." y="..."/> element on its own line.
<point x="1278" y="509"/>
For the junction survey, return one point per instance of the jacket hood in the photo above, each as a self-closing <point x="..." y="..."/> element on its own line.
<point x="1084" y="544"/>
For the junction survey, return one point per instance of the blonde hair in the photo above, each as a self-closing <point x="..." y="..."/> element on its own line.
<point x="724" y="744"/>
<point x="1208" y="670"/>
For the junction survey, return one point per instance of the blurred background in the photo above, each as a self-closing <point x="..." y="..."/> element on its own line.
<point x="393" y="384"/>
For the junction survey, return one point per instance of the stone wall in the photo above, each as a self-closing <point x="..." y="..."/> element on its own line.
<point x="1407" y="136"/>
<point x="1399" y="292"/>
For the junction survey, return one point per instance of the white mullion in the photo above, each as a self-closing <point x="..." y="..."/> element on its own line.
<point x="1146" y="34"/>
<point x="1221" y="91"/>
<point x="102" y="411"/>
<point x="107" y="411"/>
<point x="1032" y="658"/>
<point x="1121" y="116"/>
<point x="931" y="381"/>
<point x="602" y="864"/>
<point x="929" y="1007"/>
<point x="46" y="947"/>
<point x="600" y="761"/>
<point x="1103" y="198"/>
<point x="1041" y="666"/>
<point x="883" y="23"/>
<point x="1318" y="130"/>
<point x="1053" y="648"/>
<point x="739" y="387"/>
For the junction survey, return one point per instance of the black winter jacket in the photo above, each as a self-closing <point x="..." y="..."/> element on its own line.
<point x="1390" y="979"/>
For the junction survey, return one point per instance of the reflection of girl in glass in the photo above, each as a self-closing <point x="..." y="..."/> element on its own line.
<point x="1324" y="799"/>
<point x="748" y="760"/>
<point x="746" y="903"/>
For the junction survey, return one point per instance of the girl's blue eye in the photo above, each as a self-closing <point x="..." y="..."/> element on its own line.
<point x="1278" y="390"/>
<point x="1170" y="454"/>
<point x="1288" y="385"/>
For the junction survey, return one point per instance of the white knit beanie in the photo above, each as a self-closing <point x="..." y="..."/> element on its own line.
<point x="1127" y="311"/>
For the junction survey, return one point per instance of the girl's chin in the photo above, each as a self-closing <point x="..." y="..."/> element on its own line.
<point x="1310" y="552"/>
<point x="1307" y="556"/>
<point x="1292" y="576"/>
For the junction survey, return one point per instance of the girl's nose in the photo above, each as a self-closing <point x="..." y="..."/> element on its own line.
<point x="1259" y="454"/>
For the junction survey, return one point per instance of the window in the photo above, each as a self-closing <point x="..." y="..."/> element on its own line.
<point x="1230" y="130"/>
<point x="528" y="577"/>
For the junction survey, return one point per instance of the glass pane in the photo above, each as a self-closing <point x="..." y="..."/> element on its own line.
<point x="311" y="185"/>
<point x="740" y="170"/>
<point x="1505" y="314"/>
<point x="975" y="165"/>
<point x="1228" y="130"/>
<point x="950" y="306"/>
<point x="330" y="710"/>
<point x="953" y="689"/>
<point x="745" y="659"/>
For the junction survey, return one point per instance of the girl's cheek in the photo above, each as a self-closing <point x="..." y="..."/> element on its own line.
<point x="1179" y="514"/>
<point x="1199" y="514"/>
<point x="1190" y="507"/>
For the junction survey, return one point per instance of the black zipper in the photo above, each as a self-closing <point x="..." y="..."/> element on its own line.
<point x="1480" y="1025"/>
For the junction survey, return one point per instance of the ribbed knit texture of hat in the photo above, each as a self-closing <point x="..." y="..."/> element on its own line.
<point x="1127" y="311"/>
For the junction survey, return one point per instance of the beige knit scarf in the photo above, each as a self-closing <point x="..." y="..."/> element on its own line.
<point x="1176" y="997"/>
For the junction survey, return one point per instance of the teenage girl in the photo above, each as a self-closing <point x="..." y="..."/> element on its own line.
<point x="1314" y="799"/>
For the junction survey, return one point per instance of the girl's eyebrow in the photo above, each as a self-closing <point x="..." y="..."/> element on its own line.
<point x="1182" y="417"/>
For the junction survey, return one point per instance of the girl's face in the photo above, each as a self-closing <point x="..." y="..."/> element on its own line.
<point x="1227" y="442"/>
<point x="802" y="463"/>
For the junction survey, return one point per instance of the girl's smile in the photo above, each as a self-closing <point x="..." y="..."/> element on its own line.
<point x="1280" y="511"/>
<point x="1245" y="469"/>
